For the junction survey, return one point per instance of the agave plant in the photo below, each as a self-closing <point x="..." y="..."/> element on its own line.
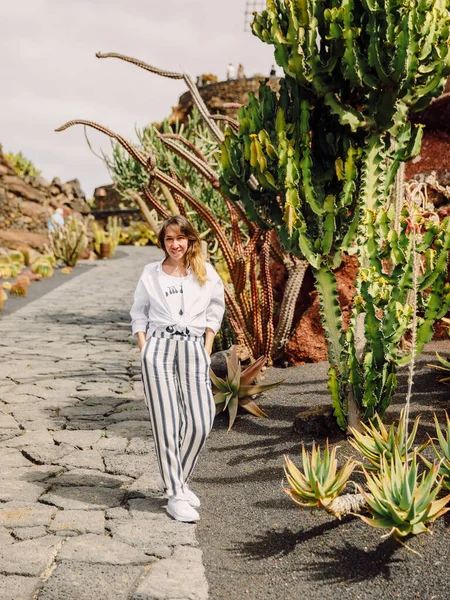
<point x="443" y="366"/>
<point x="239" y="387"/>
<point x="444" y="458"/>
<point x="376" y="441"/>
<point x="400" y="499"/>
<point x="320" y="482"/>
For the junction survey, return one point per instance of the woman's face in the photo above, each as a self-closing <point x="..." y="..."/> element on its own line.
<point x="175" y="242"/>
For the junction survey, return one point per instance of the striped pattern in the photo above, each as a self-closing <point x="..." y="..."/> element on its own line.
<point x="175" y="371"/>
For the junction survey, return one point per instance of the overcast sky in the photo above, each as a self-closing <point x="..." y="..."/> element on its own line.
<point x="49" y="73"/>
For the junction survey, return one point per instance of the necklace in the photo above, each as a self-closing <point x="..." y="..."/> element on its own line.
<point x="177" y="271"/>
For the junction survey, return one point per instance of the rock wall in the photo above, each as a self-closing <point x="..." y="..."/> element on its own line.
<point x="25" y="205"/>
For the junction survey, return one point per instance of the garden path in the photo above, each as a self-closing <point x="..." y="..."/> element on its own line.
<point x="80" y="514"/>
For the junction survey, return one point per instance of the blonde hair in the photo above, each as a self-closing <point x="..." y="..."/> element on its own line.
<point x="193" y="257"/>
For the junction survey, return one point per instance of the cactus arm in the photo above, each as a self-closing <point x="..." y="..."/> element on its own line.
<point x="201" y="167"/>
<point x="237" y="318"/>
<point x="134" y="152"/>
<point x="197" y="99"/>
<point x="372" y="172"/>
<point x="256" y="312"/>
<point x="306" y="162"/>
<point x="327" y="290"/>
<point x="405" y="61"/>
<point x="183" y="140"/>
<point x="228" y="120"/>
<point x="144" y="208"/>
<point x="235" y="227"/>
<point x="345" y="113"/>
<point x="333" y="386"/>
<point x="172" y="202"/>
<point x="296" y="272"/>
<point x="440" y="266"/>
<point x="267" y="297"/>
<point x="141" y="64"/>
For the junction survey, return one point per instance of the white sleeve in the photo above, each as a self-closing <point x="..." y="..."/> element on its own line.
<point x="140" y="308"/>
<point x="216" y="307"/>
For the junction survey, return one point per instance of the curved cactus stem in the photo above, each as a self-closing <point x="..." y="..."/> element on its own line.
<point x="256" y="317"/>
<point x="267" y="297"/>
<point x="202" y="109"/>
<point x="235" y="227"/>
<point x="179" y="204"/>
<point x="237" y="319"/>
<point x="252" y="227"/>
<point x="197" y="99"/>
<point x="144" y="208"/>
<point x="141" y="64"/>
<point x="173" y="204"/>
<point x="228" y="120"/>
<point x="186" y="142"/>
<point x="201" y="166"/>
<point x="134" y="152"/>
<point x="156" y="205"/>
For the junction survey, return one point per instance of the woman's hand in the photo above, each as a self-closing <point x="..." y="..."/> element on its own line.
<point x="209" y="339"/>
<point x="141" y="339"/>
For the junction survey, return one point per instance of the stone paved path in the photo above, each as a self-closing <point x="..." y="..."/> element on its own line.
<point x="80" y="515"/>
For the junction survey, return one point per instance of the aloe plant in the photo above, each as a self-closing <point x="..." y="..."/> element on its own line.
<point x="238" y="388"/>
<point x="317" y="162"/>
<point x="401" y="500"/>
<point x="376" y="441"/>
<point x="319" y="482"/>
<point x="442" y="452"/>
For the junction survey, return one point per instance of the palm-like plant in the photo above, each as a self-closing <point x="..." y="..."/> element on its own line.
<point x="376" y="441"/>
<point x="401" y="500"/>
<point x="320" y="483"/>
<point x="239" y="387"/>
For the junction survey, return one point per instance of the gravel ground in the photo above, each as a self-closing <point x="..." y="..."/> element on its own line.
<point x="258" y="544"/>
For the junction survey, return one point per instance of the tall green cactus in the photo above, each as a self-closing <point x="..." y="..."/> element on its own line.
<point x="317" y="161"/>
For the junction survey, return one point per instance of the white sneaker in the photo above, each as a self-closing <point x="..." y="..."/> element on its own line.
<point x="192" y="498"/>
<point x="180" y="509"/>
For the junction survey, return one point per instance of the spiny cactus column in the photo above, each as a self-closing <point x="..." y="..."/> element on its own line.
<point x="325" y="153"/>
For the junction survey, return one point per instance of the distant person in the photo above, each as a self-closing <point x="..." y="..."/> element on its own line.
<point x="241" y="72"/>
<point x="56" y="221"/>
<point x="273" y="72"/>
<point x="231" y="71"/>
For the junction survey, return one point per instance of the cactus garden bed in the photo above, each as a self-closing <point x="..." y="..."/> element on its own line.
<point x="258" y="544"/>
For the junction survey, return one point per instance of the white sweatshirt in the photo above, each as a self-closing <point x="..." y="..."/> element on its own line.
<point x="204" y="305"/>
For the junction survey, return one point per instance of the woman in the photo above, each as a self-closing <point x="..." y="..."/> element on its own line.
<point x="178" y="300"/>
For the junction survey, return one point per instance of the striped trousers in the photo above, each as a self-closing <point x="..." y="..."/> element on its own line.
<point x="177" y="386"/>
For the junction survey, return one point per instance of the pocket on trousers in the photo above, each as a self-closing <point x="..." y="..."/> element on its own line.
<point x="207" y="356"/>
<point x="144" y="347"/>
